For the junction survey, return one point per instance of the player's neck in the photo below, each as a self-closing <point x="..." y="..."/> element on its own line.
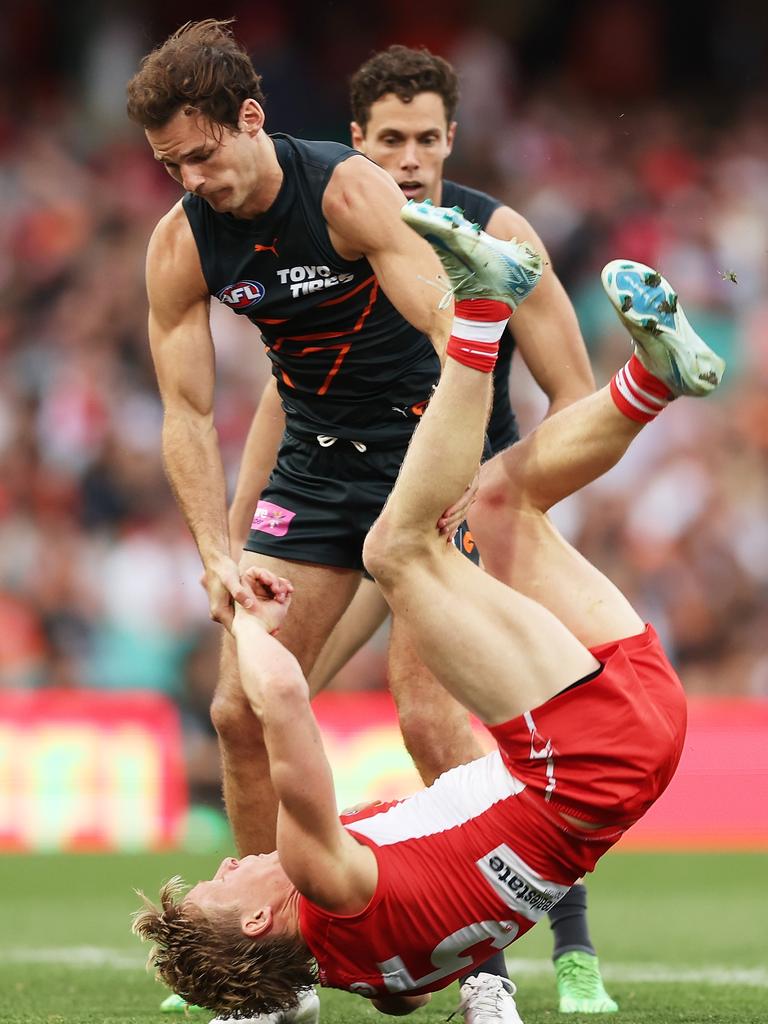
<point x="286" y="911"/>
<point x="437" y="196"/>
<point x="269" y="179"/>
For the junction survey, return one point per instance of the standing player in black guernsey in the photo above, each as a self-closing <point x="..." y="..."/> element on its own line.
<point x="306" y="240"/>
<point x="403" y="103"/>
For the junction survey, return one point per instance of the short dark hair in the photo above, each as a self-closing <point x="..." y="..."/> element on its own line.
<point x="406" y="73"/>
<point x="200" y="66"/>
<point x="212" y="964"/>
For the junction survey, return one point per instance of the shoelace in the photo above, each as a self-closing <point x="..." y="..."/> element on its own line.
<point x="485" y="998"/>
<point x="325" y="441"/>
<point x="447" y="293"/>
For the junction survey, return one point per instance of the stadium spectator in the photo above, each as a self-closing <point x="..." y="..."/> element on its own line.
<point x="79" y="409"/>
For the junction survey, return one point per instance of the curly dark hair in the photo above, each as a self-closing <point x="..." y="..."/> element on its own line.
<point x="405" y="72"/>
<point x="201" y="66"/>
<point x="212" y="964"/>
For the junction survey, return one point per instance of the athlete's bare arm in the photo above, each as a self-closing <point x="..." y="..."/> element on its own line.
<point x="319" y="856"/>
<point x="182" y="350"/>
<point x="256" y="463"/>
<point x="362" y="208"/>
<point x="545" y="326"/>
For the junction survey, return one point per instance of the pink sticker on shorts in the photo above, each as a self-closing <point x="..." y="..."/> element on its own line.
<point x="269" y="518"/>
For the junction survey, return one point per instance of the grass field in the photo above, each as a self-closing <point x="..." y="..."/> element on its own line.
<point x="682" y="938"/>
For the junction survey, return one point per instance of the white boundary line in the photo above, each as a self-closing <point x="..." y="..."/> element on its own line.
<point x="712" y="974"/>
<point x="74" y="956"/>
<point x="650" y="973"/>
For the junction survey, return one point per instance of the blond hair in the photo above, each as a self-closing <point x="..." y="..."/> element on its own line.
<point x="212" y="964"/>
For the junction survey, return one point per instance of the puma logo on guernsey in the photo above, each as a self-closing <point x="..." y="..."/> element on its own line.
<point x="258" y="247"/>
<point x="413" y="410"/>
<point x="303" y="280"/>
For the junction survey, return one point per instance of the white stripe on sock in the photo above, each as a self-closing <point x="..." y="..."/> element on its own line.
<point x="474" y="330"/>
<point x="486" y="352"/>
<point x="632" y="398"/>
<point x="642" y="393"/>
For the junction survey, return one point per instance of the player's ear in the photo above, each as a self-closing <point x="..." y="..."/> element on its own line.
<point x="357" y="136"/>
<point x="255" y="923"/>
<point x="450" y="136"/>
<point x="251" y="116"/>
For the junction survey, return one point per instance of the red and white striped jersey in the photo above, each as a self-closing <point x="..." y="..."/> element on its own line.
<point x="465" y="868"/>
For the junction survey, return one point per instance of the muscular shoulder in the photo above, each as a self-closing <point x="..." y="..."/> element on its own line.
<point x="172" y="239"/>
<point x="357" y="182"/>
<point x="173" y="263"/>
<point x="361" y="206"/>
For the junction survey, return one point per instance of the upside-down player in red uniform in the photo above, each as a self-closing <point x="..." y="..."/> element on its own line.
<point x="397" y="901"/>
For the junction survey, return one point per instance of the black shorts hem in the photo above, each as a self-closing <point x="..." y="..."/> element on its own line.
<point x="311" y="557"/>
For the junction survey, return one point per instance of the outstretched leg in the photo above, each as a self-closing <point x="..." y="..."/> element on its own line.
<point x="571" y="449"/>
<point x="523" y="549"/>
<point x="475" y="634"/>
<point x="470" y="631"/>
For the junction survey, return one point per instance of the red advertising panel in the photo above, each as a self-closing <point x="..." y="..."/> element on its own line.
<point x="89" y="770"/>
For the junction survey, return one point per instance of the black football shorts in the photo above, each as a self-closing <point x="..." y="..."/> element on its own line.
<point x="322" y="498"/>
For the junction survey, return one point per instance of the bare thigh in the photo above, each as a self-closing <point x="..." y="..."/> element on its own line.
<point x="365" y="613"/>
<point x="321" y="594"/>
<point x="495" y="650"/>
<point x="435" y="726"/>
<point x="522" y="548"/>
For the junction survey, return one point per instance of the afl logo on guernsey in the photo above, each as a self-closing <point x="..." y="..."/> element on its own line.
<point x="242" y="295"/>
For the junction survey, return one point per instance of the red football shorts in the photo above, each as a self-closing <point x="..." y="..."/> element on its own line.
<point x="604" y="750"/>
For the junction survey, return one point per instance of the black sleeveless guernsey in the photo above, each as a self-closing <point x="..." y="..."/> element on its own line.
<point x="502" y="425"/>
<point x="346" y="362"/>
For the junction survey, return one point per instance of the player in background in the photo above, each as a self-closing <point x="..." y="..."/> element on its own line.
<point x="403" y="105"/>
<point x="588" y="714"/>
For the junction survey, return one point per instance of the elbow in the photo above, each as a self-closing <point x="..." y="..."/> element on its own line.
<point x="281" y="693"/>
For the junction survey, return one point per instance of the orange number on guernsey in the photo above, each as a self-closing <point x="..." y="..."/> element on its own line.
<point x="342" y="349"/>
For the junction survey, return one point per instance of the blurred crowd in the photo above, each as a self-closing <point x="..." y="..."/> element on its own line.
<point x="98" y="577"/>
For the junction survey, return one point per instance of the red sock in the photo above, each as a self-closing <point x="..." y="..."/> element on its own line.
<point x="478" y="324"/>
<point x="637" y="393"/>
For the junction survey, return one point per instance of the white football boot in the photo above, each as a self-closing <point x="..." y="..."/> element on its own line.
<point x="488" y="999"/>
<point x="665" y="343"/>
<point x="478" y="265"/>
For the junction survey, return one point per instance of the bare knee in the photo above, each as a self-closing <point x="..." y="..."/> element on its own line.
<point x="437" y="742"/>
<point x="500" y="482"/>
<point x="391" y="547"/>
<point x="436" y="728"/>
<point x="232" y="717"/>
<point x="234" y="722"/>
<point x="380" y="554"/>
<point x="512" y="482"/>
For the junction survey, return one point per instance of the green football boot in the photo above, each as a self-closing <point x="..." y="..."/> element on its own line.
<point x="175" y="1004"/>
<point x="580" y="985"/>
